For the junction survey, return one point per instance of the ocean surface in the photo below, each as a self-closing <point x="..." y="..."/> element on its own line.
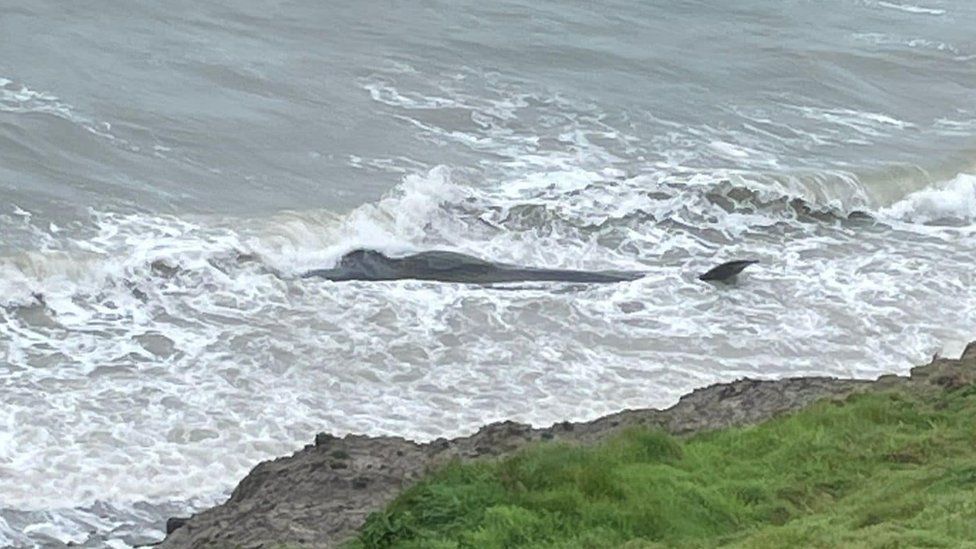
<point x="169" y="170"/>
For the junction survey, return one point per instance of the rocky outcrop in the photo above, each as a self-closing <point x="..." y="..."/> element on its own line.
<point x="320" y="495"/>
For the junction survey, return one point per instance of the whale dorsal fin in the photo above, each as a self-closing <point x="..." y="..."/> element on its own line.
<point x="726" y="271"/>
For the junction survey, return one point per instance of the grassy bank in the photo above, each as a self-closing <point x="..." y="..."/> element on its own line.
<point x="876" y="470"/>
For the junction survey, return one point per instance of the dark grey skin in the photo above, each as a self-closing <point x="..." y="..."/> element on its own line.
<point x="442" y="266"/>
<point x="726" y="272"/>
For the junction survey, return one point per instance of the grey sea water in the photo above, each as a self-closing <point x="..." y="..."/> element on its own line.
<point x="168" y="170"/>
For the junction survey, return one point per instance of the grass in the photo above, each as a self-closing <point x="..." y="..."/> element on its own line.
<point x="877" y="470"/>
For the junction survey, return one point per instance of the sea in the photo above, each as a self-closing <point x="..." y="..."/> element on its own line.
<point x="169" y="170"/>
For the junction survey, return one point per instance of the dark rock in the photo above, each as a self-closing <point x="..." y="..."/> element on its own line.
<point x="950" y="382"/>
<point x="969" y="351"/>
<point x="324" y="439"/>
<point x="175" y="523"/>
<point x="440" y="444"/>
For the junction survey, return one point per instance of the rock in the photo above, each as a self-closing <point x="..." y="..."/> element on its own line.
<point x="969" y="352"/>
<point x="175" y="523"/>
<point x="324" y="439"/>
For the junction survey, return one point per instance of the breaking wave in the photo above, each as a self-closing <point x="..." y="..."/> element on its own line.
<point x="429" y="211"/>
<point x="953" y="202"/>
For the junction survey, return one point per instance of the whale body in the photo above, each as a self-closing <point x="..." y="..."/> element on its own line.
<point x="443" y="266"/>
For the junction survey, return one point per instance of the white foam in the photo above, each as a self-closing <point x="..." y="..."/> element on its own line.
<point x="296" y="243"/>
<point x="8" y="536"/>
<point x="384" y="93"/>
<point x="922" y="43"/>
<point x="912" y="8"/>
<point x="964" y="128"/>
<point x="66" y="535"/>
<point x="865" y="123"/>
<point x="728" y="149"/>
<point x="20" y="99"/>
<point x="953" y="348"/>
<point x="953" y="201"/>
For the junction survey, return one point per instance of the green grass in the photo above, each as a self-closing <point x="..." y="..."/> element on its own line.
<point x="877" y="470"/>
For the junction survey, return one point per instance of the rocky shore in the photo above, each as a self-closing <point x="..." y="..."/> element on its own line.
<point x="319" y="496"/>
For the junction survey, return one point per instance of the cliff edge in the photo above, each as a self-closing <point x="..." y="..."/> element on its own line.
<point x="319" y="496"/>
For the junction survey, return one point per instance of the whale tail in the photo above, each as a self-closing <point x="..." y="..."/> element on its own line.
<point x="726" y="272"/>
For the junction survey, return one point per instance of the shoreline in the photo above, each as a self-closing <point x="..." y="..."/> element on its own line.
<point x="320" y="495"/>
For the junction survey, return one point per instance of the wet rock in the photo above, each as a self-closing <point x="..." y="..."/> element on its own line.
<point x="163" y="268"/>
<point x="324" y="439"/>
<point x="175" y="523"/>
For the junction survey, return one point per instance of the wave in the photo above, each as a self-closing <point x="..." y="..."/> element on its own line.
<point x="953" y="202"/>
<point x="844" y="196"/>
<point x="18" y="98"/>
<point x="295" y="242"/>
<point x="912" y="8"/>
<point x="554" y="219"/>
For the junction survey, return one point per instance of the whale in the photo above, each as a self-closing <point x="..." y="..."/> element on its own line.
<point x="447" y="266"/>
